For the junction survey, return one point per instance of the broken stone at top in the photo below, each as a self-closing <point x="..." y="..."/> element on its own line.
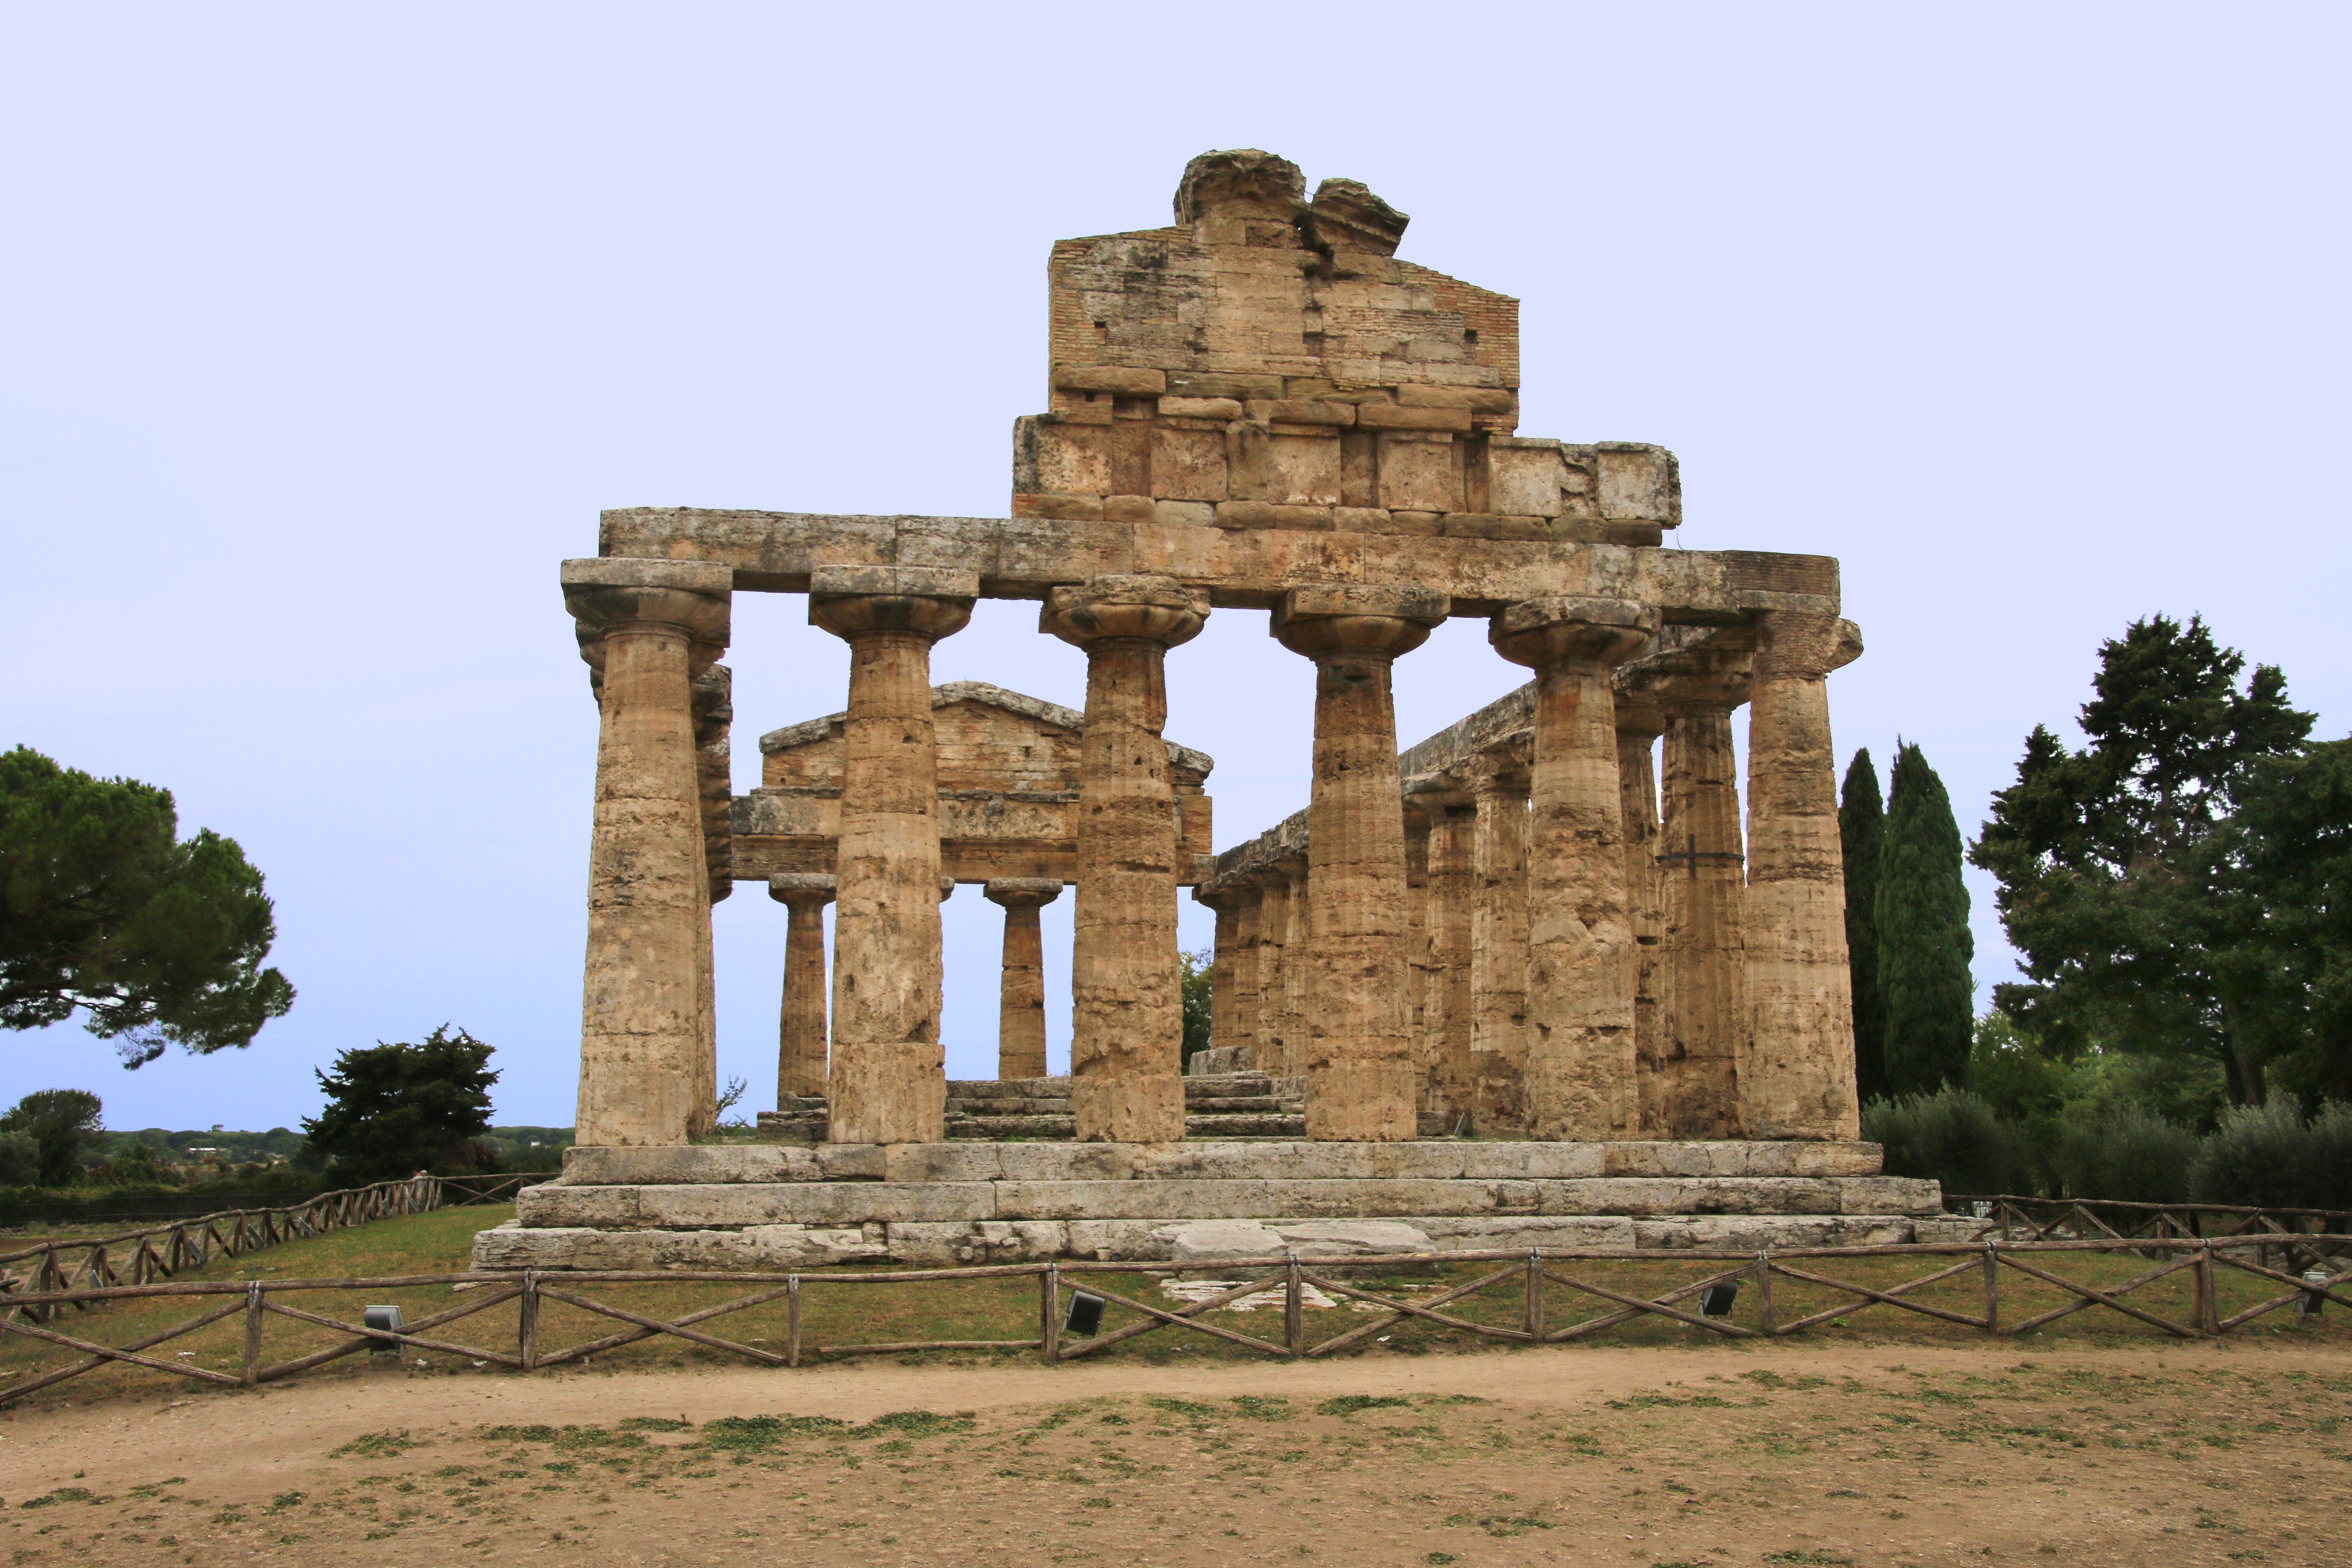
<point x="1268" y="362"/>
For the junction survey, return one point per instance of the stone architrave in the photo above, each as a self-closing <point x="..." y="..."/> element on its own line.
<point x="1449" y="1068"/>
<point x="1020" y="1003"/>
<point x="1800" y="996"/>
<point x="648" y="628"/>
<point x="1126" y="1021"/>
<point x="800" y="1032"/>
<point x="1639" y="725"/>
<point x="1701" y="883"/>
<point x="1361" y="1077"/>
<point x="1580" y="1041"/>
<point x="1498" y="939"/>
<point x="888" y="1082"/>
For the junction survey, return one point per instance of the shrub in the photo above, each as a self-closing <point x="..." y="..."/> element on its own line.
<point x="2269" y="1156"/>
<point x="1950" y="1136"/>
<point x="2130" y="1154"/>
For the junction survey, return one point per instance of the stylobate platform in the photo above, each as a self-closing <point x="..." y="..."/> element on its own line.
<point x="770" y="1205"/>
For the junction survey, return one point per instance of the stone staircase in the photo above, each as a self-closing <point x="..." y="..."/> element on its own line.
<point x="1216" y="1105"/>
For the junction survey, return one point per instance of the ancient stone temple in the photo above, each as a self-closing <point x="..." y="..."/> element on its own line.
<point x="1638" y="1012"/>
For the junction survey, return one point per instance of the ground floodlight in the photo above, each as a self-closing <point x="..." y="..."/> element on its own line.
<point x="388" y="1320"/>
<point x="1716" y="1300"/>
<point x="1085" y="1315"/>
<point x="2312" y="1301"/>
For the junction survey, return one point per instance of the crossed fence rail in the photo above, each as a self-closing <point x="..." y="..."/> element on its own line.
<point x="1541" y="1277"/>
<point x="2320" y="1233"/>
<point x="138" y="1257"/>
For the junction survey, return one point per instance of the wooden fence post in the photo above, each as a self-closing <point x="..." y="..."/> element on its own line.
<point x="1531" y="1318"/>
<point x="1764" y="1289"/>
<point x="793" y="1320"/>
<point x="1049" y="1310"/>
<point x="1294" y="1309"/>
<point x="1991" y="1287"/>
<point x="527" y="1323"/>
<point x="252" y="1333"/>
<point x="2202" y="1281"/>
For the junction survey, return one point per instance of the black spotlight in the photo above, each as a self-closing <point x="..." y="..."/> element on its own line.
<point x="1085" y="1315"/>
<point x="1716" y="1300"/>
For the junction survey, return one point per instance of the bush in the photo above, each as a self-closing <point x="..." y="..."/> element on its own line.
<point x="1950" y="1136"/>
<point x="63" y="1124"/>
<point x="395" y="1109"/>
<point x="2130" y="1155"/>
<point x="2269" y="1156"/>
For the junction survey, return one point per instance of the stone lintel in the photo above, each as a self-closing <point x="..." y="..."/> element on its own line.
<point x="1021" y="558"/>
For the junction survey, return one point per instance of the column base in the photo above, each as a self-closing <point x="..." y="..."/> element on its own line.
<point x="1141" y="1108"/>
<point x="1371" y="1102"/>
<point x="889" y="1094"/>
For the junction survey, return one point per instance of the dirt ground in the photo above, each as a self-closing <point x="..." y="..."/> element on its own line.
<point x="1784" y="1454"/>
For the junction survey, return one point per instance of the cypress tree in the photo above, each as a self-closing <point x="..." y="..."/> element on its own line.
<point x="1923" y="945"/>
<point x="1862" y="831"/>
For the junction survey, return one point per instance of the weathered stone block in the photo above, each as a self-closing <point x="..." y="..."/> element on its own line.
<point x="1420" y="475"/>
<point x="1303" y="470"/>
<point x="1188" y="464"/>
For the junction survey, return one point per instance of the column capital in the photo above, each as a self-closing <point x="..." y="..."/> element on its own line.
<point x="813" y="889"/>
<point x="929" y="601"/>
<point x="1360" y="618"/>
<point x="1143" y="605"/>
<point x="1542" y="632"/>
<point x="1804" y="645"/>
<point x="1022" y="892"/>
<point x="690" y="598"/>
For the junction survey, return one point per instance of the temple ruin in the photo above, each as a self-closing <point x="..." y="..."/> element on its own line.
<point x="1639" y="1011"/>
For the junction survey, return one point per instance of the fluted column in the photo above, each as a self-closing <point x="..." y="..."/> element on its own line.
<point x="1800" y="998"/>
<point x="1447" y="1058"/>
<point x="1639" y="724"/>
<point x="800" y="1032"/>
<point x="714" y="716"/>
<point x="1360" y="1069"/>
<point x="1231" y="978"/>
<point x="1416" y="924"/>
<point x="1249" y="908"/>
<point x="1294" y="952"/>
<point x="1021" y="997"/>
<point x="1498" y="939"/>
<point x="648" y="627"/>
<point x="1580" y="1039"/>
<point x="1702" y="883"/>
<point x="1271" y="1045"/>
<point x="1127" y="1023"/>
<point x="888" y="1082"/>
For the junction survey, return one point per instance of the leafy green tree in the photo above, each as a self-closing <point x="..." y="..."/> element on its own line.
<point x="2137" y="931"/>
<point x="102" y="908"/>
<point x="2289" y="853"/>
<point x="63" y="1124"/>
<point x="1862" y="832"/>
<point x="1924" y="943"/>
<point x="1195" y="973"/>
<point x="395" y="1109"/>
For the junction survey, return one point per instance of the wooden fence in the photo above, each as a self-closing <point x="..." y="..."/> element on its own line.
<point x="70" y="1269"/>
<point x="1541" y="1279"/>
<point x="2298" y="1237"/>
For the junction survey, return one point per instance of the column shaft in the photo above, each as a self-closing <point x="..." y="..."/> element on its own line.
<point x="1499" y="948"/>
<point x="1242" y="1024"/>
<point x="1361" y="1077"/>
<point x="1224" y="960"/>
<point x="800" y="1033"/>
<point x="1021" y="1002"/>
<point x="1580" y="1068"/>
<point x="642" y="1033"/>
<point x="1448" y="1056"/>
<point x="1801" y="1003"/>
<point x="1637" y="783"/>
<point x="1706" y="1026"/>
<point x="1268" y="1045"/>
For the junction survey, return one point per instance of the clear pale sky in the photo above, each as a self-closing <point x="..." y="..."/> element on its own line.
<point x="330" y="330"/>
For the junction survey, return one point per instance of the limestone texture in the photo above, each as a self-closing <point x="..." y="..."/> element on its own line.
<point x="800" y="1031"/>
<point x="1021" y="997"/>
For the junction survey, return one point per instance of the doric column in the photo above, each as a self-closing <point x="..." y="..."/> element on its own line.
<point x="888" y="1083"/>
<point x="714" y="717"/>
<point x="1702" y="884"/>
<point x="1362" y="1081"/>
<point x="1498" y="939"/>
<point x="1448" y="1063"/>
<point x="1271" y="1041"/>
<point x="1297" y="957"/>
<point x="648" y="627"/>
<point x="1579" y="1036"/>
<point x="1232" y="998"/>
<point x="800" y="1033"/>
<point x="1127" y="1016"/>
<point x="1799" y="998"/>
<point x="1249" y="904"/>
<point x="1639" y="724"/>
<point x="1021" y="1006"/>
<point x="1416" y="923"/>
